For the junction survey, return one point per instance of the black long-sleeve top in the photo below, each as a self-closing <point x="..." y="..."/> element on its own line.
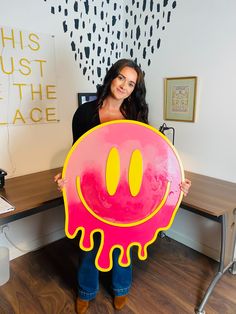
<point x="85" y="118"/>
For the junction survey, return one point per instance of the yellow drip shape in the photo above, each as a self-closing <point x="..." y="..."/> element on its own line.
<point x="112" y="171"/>
<point x="135" y="176"/>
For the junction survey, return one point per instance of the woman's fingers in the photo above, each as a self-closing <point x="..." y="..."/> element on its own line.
<point x="185" y="186"/>
<point x="57" y="177"/>
<point x="60" y="182"/>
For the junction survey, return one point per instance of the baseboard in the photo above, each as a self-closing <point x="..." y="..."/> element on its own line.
<point x="46" y="239"/>
<point x="199" y="247"/>
<point x="29" y="246"/>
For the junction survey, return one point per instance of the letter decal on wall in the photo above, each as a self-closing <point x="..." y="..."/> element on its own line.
<point x="27" y="78"/>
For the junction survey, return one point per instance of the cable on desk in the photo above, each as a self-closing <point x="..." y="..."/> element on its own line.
<point x="20" y="249"/>
<point x="14" y="245"/>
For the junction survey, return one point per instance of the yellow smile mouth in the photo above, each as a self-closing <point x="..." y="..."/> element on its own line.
<point x="80" y="194"/>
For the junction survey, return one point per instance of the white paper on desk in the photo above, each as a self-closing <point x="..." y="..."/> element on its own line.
<point x="5" y="206"/>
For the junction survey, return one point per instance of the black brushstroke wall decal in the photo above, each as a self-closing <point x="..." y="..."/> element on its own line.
<point x="76" y="23"/>
<point x="76" y="6"/>
<point x="102" y="31"/>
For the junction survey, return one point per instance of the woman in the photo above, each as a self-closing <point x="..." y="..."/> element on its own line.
<point x="122" y="96"/>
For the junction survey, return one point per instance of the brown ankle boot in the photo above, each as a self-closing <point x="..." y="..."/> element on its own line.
<point x="120" y="301"/>
<point x="81" y="306"/>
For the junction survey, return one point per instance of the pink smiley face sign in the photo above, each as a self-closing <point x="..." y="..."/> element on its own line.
<point x="122" y="180"/>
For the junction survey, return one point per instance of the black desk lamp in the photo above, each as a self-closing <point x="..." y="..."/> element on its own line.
<point x="2" y="178"/>
<point x="164" y="128"/>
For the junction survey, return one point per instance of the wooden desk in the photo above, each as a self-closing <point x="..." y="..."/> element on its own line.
<point x="30" y="194"/>
<point x="212" y="198"/>
<point x="210" y="195"/>
<point x="215" y="199"/>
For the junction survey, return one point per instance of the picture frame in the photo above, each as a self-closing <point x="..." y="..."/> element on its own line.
<point x="86" y="97"/>
<point x="180" y="98"/>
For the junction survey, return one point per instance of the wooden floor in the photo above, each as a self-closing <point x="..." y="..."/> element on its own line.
<point x="171" y="281"/>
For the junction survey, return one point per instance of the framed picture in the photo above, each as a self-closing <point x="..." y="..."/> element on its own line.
<point x="85" y="97"/>
<point x="180" y="98"/>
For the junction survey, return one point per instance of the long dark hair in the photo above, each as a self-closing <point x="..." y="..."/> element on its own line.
<point x="134" y="107"/>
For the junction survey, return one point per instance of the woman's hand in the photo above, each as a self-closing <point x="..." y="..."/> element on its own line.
<point x="185" y="186"/>
<point x="60" y="182"/>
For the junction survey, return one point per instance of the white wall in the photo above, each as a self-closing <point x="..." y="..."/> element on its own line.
<point x="199" y="40"/>
<point x="32" y="148"/>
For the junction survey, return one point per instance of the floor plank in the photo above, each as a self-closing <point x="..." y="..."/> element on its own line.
<point x="171" y="281"/>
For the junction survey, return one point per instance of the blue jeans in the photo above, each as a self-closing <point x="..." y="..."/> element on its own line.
<point x="88" y="275"/>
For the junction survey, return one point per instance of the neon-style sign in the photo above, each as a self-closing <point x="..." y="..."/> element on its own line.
<point x="122" y="180"/>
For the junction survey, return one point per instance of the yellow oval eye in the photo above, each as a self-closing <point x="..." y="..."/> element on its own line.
<point x="135" y="172"/>
<point x="112" y="171"/>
